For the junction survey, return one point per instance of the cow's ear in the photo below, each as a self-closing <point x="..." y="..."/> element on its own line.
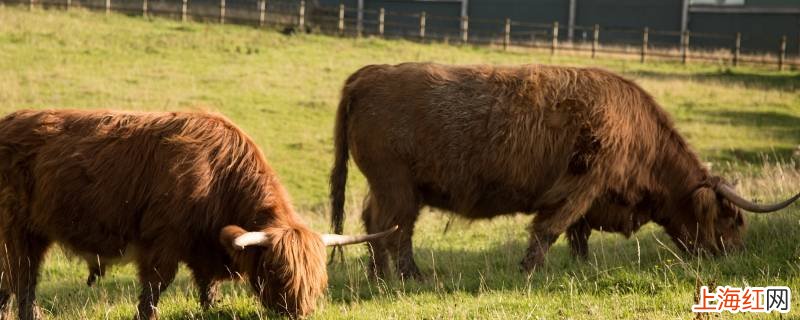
<point x="228" y="237"/>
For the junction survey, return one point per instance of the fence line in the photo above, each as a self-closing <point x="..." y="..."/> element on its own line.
<point x="421" y="26"/>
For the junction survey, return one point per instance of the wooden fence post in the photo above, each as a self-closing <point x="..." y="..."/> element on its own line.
<point x="782" y="53"/>
<point x="595" y="39"/>
<point x="69" y="4"/>
<point x="685" y="46"/>
<point x="144" y="8"/>
<point x="507" y="34"/>
<point x="554" y="44"/>
<point x="30" y="5"/>
<point x="422" y="25"/>
<point x="222" y="11"/>
<point x="108" y="7"/>
<point x="360" y="21"/>
<point x="262" y="13"/>
<point x="645" y="36"/>
<point x="341" y="19"/>
<point x="301" y="19"/>
<point x="737" y="46"/>
<point x="184" y="10"/>
<point x="381" y="18"/>
<point x="464" y="29"/>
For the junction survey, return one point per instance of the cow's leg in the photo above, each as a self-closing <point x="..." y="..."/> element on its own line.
<point x="379" y="260"/>
<point x="399" y="206"/>
<point x="578" y="235"/>
<point x="403" y="250"/>
<point x="209" y="291"/>
<point x="155" y="275"/>
<point x="5" y="289"/>
<point x="552" y="222"/>
<point x="97" y="269"/>
<point x="394" y="201"/>
<point x="5" y="286"/>
<point x="20" y="272"/>
<point x="207" y="285"/>
<point x="5" y="296"/>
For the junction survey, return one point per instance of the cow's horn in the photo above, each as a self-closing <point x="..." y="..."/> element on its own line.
<point x="745" y="204"/>
<point x="338" y="240"/>
<point x="250" y="239"/>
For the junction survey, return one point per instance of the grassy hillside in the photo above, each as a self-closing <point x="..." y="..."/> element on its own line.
<point x="283" y="90"/>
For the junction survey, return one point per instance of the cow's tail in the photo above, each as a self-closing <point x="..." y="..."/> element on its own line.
<point x="342" y="152"/>
<point x="341" y="157"/>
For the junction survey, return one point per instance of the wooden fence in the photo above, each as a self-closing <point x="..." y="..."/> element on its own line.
<point x="294" y="16"/>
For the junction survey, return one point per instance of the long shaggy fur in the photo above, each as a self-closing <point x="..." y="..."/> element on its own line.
<point x="157" y="188"/>
<point x="482" y="141"/>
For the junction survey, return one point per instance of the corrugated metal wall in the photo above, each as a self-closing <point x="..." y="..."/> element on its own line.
<point x="760" y="32"/>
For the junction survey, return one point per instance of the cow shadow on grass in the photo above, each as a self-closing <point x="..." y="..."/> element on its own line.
<point x="647" y="263"/>
<point x="778" y="81"/>
<point x="119" y="291"/>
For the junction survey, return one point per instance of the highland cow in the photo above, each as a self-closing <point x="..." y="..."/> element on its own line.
<point x="156" y="189"/>
<point x="581" y="148"/>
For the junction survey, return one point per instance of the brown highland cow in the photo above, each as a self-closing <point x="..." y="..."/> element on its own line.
<point x="156" y="189"/>
<point x="581" y="148"/>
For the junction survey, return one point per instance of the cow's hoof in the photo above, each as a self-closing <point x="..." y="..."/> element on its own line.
<point x="415" y="275"/>
<point x="530" y="263"/>
<point x="376" y="274"/>
<point x="210" y="302"/>
<point x="34" y="313"/>
<point x="91" y="280"/>
<point x="580" y="256"/>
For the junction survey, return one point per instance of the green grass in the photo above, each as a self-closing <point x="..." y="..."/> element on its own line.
<point x="283" y="91"/>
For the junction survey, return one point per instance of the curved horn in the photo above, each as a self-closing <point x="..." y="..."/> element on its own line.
<point x="250" y="239"/>
<point x="745" y="204"/>
<point x="338" y="240"/>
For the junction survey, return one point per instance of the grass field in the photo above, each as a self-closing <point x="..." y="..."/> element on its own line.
<point x="283" y="91"/>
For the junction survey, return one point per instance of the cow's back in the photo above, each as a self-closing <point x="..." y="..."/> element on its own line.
<point x="489" y="136"/>
<point x="100" y="182"/>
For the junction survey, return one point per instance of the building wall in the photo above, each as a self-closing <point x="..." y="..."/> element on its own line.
<point x="771" y="2"/>
<point x="613" y="15"/>
<point x="761" y="32"/>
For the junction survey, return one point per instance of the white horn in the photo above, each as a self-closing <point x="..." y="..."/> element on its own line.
<point x="340" y="240"/>
<point x="250" y="239"/>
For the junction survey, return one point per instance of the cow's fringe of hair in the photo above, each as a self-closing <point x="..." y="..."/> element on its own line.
<point x="707" y="210"/>
<point x="296" y="256"/>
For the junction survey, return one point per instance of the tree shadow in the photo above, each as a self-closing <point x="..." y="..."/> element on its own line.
<point x="780" y="126"/>
<point x="778" y="81"/>
<point x="756" y="156"/>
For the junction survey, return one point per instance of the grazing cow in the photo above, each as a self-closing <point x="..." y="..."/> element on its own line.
<point x="156" y="189"/>
<point x="583" y="148"/>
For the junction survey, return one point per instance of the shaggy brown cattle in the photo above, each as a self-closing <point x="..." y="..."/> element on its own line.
<point x="580" y="147"/>
<point x="156" y="189"/>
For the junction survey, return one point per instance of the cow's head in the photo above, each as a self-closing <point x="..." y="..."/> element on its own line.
<point x="713" y="221"/>
<point x="286" y="265"/>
